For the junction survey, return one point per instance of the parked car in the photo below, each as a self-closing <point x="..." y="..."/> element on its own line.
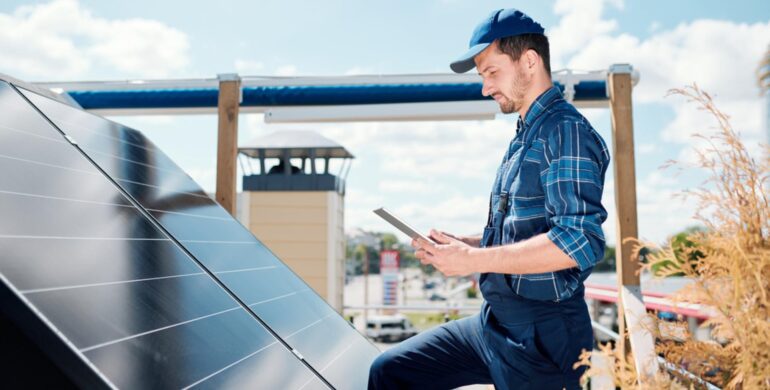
<point x="389" y="328"/>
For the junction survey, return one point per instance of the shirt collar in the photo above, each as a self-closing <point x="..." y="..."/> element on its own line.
<point x="539" y="106"/>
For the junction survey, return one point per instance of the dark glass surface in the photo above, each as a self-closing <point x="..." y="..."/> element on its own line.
<point x="303" y="319"/>
<point x="229" y="256"/>
<point x="194" y="228"/>
<point x="106" y="261"/>
<point x="26" y="177"/>
<point x="108" y="281"/>
<point x="26" y="144"/>
<point x="99" y="314"/>
<point x="211" y="349"/>
<point x="38" y="216"/>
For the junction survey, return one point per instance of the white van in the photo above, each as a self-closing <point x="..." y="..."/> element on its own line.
<point x="390" y="328"/>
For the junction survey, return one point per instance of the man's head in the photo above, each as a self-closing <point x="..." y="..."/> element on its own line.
<point x="511" y="54"/>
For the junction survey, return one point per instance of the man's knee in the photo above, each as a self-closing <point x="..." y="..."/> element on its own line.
<point x="381" y="371"/>
<point x="382" y="364"/>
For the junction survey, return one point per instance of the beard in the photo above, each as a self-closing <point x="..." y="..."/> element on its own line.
<point x="519" y="89"/>
<point x="507" y="106"/>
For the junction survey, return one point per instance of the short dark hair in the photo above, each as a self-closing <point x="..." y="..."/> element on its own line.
<point x="516" y="45"/>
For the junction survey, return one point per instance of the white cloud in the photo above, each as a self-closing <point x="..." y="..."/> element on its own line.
<point x="409" y="186"/>
<point x="358" y="70"/>
<point x="580" y="22"/>
<point x="416" y="149"/>
<point x="248" y="67"/>
<point x="450" y="149"/>
<point x="62" y="40"/>
<point x="720" y="56"/>
<point x="661" y="209"/>
<point x="464" y="215"/>
<point x="286" y="70"/>
<point x="690" y="120"/>
<point x="644" y="149"/>
<point x="205" y="177"/>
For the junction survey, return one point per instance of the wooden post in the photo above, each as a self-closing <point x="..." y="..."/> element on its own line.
<point x="625" y="187"/>
<point x="227" y="140"/>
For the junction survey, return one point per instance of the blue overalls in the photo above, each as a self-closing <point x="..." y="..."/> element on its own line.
<point x="515" y="342"/>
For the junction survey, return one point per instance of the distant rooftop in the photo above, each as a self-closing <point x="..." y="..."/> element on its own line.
<point x="298" y="143"/>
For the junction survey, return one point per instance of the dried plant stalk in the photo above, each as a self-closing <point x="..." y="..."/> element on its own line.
<point x="728" y="261"/>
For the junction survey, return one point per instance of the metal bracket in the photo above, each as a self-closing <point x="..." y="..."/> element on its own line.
<point x="569" y="86"/>
<point x="623" y="69"/>
<point x="225" y="77"/>
<point x="299" y="355"/>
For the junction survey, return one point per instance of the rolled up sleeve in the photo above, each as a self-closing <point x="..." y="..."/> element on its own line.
<point x="573" y="180"/>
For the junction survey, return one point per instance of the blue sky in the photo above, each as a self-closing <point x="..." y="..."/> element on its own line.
<point x="435" y="174"/>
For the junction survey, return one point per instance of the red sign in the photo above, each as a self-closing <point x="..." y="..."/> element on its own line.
<point x="389" y="274"/>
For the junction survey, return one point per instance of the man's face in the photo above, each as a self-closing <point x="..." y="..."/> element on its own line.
<point x="504" y="79"/>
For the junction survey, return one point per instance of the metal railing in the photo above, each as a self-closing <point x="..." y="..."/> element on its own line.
<point x="671" y="367"/>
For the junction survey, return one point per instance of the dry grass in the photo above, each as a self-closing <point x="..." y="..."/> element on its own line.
<point x="729" y="264"/>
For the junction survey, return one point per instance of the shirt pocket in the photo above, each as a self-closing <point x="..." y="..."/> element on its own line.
<point x="535" y="153"/>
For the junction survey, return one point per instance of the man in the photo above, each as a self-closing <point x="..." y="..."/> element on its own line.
<point x="542" y="238"/>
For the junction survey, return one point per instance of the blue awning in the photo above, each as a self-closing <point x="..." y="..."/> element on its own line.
<point x="268" y="96"/>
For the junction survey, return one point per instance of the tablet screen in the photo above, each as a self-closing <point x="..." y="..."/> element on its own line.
<point x="401" y="225"/>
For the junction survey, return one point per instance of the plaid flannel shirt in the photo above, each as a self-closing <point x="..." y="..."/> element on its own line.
<point x="557" y="190"/>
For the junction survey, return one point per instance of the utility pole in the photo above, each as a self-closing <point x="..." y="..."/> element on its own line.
<point x="366" y="287"/>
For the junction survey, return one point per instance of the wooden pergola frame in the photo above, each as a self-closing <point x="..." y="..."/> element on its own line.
<point x="619" y="79"/>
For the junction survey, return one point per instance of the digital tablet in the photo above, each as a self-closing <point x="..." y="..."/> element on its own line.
<point x="401" y="225"/>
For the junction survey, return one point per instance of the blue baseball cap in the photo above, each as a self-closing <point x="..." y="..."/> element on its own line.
<point x="500" y="24"/>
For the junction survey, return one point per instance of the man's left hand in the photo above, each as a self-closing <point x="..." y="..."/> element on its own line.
<point x="450" y="256"/>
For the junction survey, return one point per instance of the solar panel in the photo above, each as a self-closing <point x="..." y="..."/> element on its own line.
<point x="221" y="244"/>
<point x="113" y="299"/>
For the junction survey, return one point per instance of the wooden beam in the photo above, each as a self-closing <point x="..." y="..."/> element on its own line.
<point x="620" y="86"/>
<point x="227" y="140"/>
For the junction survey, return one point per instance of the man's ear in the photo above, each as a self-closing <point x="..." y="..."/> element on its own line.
<point x="532" y="58"/>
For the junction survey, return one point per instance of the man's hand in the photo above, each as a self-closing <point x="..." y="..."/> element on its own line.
<point x="474" y="241"/>
<point x="451" y="256"/>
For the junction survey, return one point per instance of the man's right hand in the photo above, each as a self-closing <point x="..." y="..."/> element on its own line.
<point x="474" y="241"/>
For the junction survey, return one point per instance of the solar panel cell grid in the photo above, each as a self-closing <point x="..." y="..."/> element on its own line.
<point x="119" y="297"/>
<point x="275" y="294"/>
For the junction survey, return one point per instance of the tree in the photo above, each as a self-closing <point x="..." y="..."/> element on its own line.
<point x="607" y="264"/>
<point x="389" y="241"/>
<point x="684" y="252"/>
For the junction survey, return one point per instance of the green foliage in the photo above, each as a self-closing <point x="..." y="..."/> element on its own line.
<point x="387" y="241"/>
<point x="607" y="264"/>
<point x="424" y="321"/>
<point x="684" y="253"/>
<point x="471" y="292"/>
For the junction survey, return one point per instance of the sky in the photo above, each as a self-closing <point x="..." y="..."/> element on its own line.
<point x="432" y="174"/>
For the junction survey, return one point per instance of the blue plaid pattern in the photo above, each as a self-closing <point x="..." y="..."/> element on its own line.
<point x="557" y="190"/>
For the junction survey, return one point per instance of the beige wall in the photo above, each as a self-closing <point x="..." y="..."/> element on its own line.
<point x="305" y="230"/>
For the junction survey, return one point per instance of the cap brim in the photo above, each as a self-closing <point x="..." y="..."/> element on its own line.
<point x="466" y="63"/>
